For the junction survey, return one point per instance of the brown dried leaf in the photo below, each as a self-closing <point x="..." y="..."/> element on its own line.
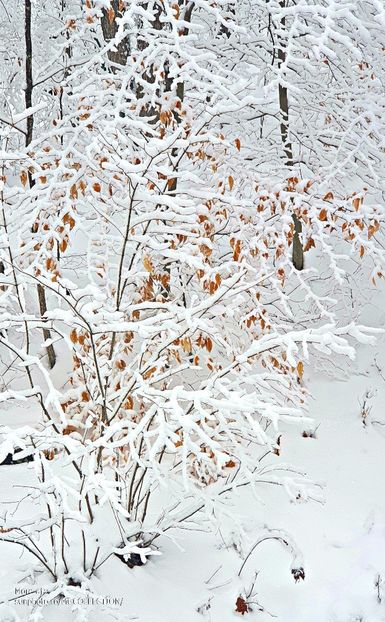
<point x="323" y="215"/>
<point x="186" y="344"/>
<point x="49" y="263"/>
<point x="300" y="369"/>
<point x="230" y="464"/>
<point x="149" y="373"/>
<point x="328" y="196"/>
<point x="73" y="192"/>
<point x="24" y="178"/>
<point x="309" y="244"/>
<point x="241" y="606"/>
<point x="147" y="263"/>
<point x="110" y="14"/>
<point x="356" y="203"/>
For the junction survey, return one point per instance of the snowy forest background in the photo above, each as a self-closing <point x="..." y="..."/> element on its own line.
<point x="192" y="357"/>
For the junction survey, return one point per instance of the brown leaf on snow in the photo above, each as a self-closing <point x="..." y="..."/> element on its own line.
<point x="241" y="606"/>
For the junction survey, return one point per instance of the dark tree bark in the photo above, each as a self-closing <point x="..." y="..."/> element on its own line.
<point x="110" y="28"/>
<point x="28" y="139"/>
<point x="28" y="73"/>
<point x="224" y="30"/>
<point x="298" y="254"/>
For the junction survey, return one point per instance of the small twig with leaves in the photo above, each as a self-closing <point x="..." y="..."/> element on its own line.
<point x="247" y="603"/>
<point x="366" y="406"/>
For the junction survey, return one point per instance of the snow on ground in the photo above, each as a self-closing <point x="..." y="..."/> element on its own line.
<point x="342" y="539"/>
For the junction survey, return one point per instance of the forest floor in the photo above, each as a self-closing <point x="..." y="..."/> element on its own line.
<point x="342" y="537"/>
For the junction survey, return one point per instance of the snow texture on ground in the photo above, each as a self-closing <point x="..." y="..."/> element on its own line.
<point x="342" y="538"/>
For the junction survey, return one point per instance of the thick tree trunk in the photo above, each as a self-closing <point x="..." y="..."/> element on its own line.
<point x="298" y="255"/>
<point x="28" y="140"/>
<point x="110" y="28"/>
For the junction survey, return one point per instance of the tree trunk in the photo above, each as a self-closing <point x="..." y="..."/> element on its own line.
<point x="28" y="140"/>
<point x="109" y="29"/>
<point x="298" y="255"/>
